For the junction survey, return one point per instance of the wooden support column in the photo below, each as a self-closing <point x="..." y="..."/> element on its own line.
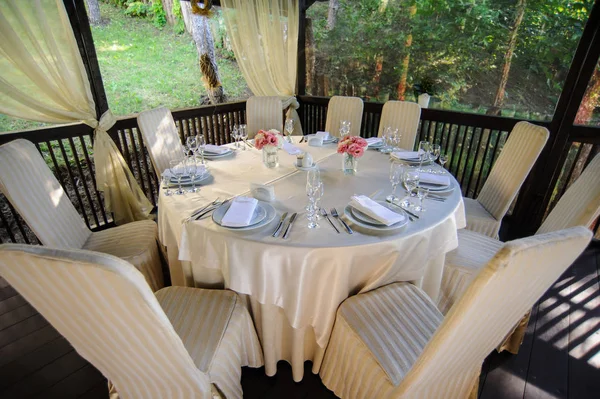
<point x="301" y="66"/>
<point x="537" y="190"/>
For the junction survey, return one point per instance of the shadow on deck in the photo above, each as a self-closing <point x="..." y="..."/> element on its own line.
<point x="560" y="357"/>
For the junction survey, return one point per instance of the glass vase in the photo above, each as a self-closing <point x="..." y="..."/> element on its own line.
<point x="270" y="156"/>
<point x="349" y="164"/>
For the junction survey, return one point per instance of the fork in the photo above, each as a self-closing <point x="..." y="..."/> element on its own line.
<point x="210" y="209"/>
<point x="336" y="216"/>
<point x="199" y="210"/>
<point x="324" y="213"/>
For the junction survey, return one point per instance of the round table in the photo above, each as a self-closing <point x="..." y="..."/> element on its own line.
<point x="294" y="286"/>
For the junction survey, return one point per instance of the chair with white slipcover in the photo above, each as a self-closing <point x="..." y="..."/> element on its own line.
<point x="180" y="342"/>
<point x="521" y="150"/>
<point x="342" y="108"/>
<point x="404" y="116"/>
<point x="263" y="113"/>
<point x="579" y="206"/>
<point x="161" y="138"/>
<point x="36" y="194"/>
<point x="392" y="342"/>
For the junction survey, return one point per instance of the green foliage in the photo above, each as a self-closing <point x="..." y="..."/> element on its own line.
<point x="159" y="18"/>
<point x="137" y="9"/>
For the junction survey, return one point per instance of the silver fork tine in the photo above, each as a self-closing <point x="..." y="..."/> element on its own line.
<point x="335" y="215"/>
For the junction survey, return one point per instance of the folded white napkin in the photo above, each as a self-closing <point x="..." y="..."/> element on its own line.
<point x="373" y="140"/>
<point x="322" y="135"/>
<point x="291" y="149"/>
<point x="407" y="155"/>
<point x="215" y="149"/>
<point x="437" y="180"/>
<point x="240" y="212"/>
<point x="315" y="142"/>
<point x="378" y="212"/>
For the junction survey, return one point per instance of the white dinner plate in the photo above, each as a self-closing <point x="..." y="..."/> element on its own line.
<point x="410" y="162"/>
<point x="439" y="189"/>
<point x="361" y="220"/>
<point x="212" y="155"/>
<point x="263" y="215"/>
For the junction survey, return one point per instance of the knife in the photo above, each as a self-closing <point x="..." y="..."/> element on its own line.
<point x="289" y="226"/>
<point x="280" y="225"/>
<point x="408" y="212"/>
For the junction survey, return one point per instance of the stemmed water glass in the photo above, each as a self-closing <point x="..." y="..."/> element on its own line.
<point x="289" y="128"/>
<point x="314" y="191"/>
<point x="235" y="134"/>
<point x="200" y="147"/>
<point x="424" y="148"/>
<point x="443" y="160"/>
<point x="344" y="128"/>
<point x="192" y="170"/>
<point x="434" y="154"/>
<point x="422" y="193"/>
<point x="396" y="173"/>
<point x="411" y="181"/>
<point x="387" y="139"/>
<point x="177" y="169"/>
<point x="396" y="138"/>
<point x="166" y="180"/>
<point x="192" y="144"/>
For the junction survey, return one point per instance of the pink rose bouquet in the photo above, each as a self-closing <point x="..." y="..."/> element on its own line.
<point x="352" y="145"/>
<point x="267" y="137"/>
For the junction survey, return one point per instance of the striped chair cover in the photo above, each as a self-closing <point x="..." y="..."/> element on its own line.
<point x="518" y="156"/>
<point x="172" y="345"/>
<point x="160" y="137"/>
<point x="579" y="206"/>
<point x="39" y="198"/>
<point x="392" y="342"/>
<point x="344" y="108"/>
<point x="404" y="116"/>
<point x="263" y="113"/>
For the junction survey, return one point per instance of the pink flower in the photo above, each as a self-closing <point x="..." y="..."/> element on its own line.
<point x="272" y="139"/>
<point x="342" y="148"/>
<point x="355" y="150"/>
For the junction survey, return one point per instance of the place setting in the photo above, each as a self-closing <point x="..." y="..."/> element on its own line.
<point x="375" y="216"/>
<point x="184" y="173"/>
<point x="243" y="214"/>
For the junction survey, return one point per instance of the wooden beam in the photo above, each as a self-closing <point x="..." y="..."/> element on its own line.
<point x="301" y="63"/>
<point x="537" y="190"/>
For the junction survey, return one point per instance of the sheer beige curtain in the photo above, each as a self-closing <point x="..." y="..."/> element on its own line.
<point x="43" y="79"/>
<point x="264" y="36"/>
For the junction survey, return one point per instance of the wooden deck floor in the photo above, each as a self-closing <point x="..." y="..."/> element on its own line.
<point x="560" y="357"/>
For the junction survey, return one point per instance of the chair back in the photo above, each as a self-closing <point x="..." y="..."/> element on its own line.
<point x="263" y="113"/>
<point x="580" y="204"/>
<point x="404" y="116"/>
<point x="518" y="156"/>
<point x="344" y="108"/>
<point x="103" y="306"/>
<point x="160" y="137"/>
<point x="33" y="190"/>
<point x="505" y="289"/>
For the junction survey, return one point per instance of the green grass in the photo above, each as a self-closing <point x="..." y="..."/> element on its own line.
<point x="144" y="67"/>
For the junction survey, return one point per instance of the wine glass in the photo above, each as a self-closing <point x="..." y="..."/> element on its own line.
<point x="191" y="143"/>
<point x="396" y="173"/>
<point x="344" y="128"/>
<point x="422" y="193"/>
<point x="397" y="137"/>
<point x="387" y="139"/>
<point x="200" y="147"/>
<point x="243" y="135"/>
<point x="177" y="169"/>
<point x="235" y="134"/>
<point x="423" y="153"/>
<point x="289" y="128"/>
<point x="192" y="170"/>
<point x="443" y="160"/>
<point x="166" y="180"/>
<point x="411" y="181"/>
<point x="435" y="150"/>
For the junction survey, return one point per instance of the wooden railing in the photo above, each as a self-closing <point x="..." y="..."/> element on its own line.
<point x="472" y="143"/>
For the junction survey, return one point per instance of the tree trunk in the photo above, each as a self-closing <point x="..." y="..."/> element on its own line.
<point x="334" y="5"/>
<point x="377" y="77"/>
<point x="186" y="13"/>
<point x="205" y="45"/>
<point x="512" y="43"/>
<point x="310" y="57"/>
<point x="168" y="7"/>
<point x="401" y="89"/>
<point x="93" y="12"/>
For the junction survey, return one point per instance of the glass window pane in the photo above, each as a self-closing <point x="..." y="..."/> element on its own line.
<point x="589" y="109"/>
<point x="507" y="57"/>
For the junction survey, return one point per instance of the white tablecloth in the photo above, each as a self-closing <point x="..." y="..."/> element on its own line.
<point x="294" y="286"/>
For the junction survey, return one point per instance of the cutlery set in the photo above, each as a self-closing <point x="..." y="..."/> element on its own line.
<point x="281" y="223"/>
<point x="203" y="211"/>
